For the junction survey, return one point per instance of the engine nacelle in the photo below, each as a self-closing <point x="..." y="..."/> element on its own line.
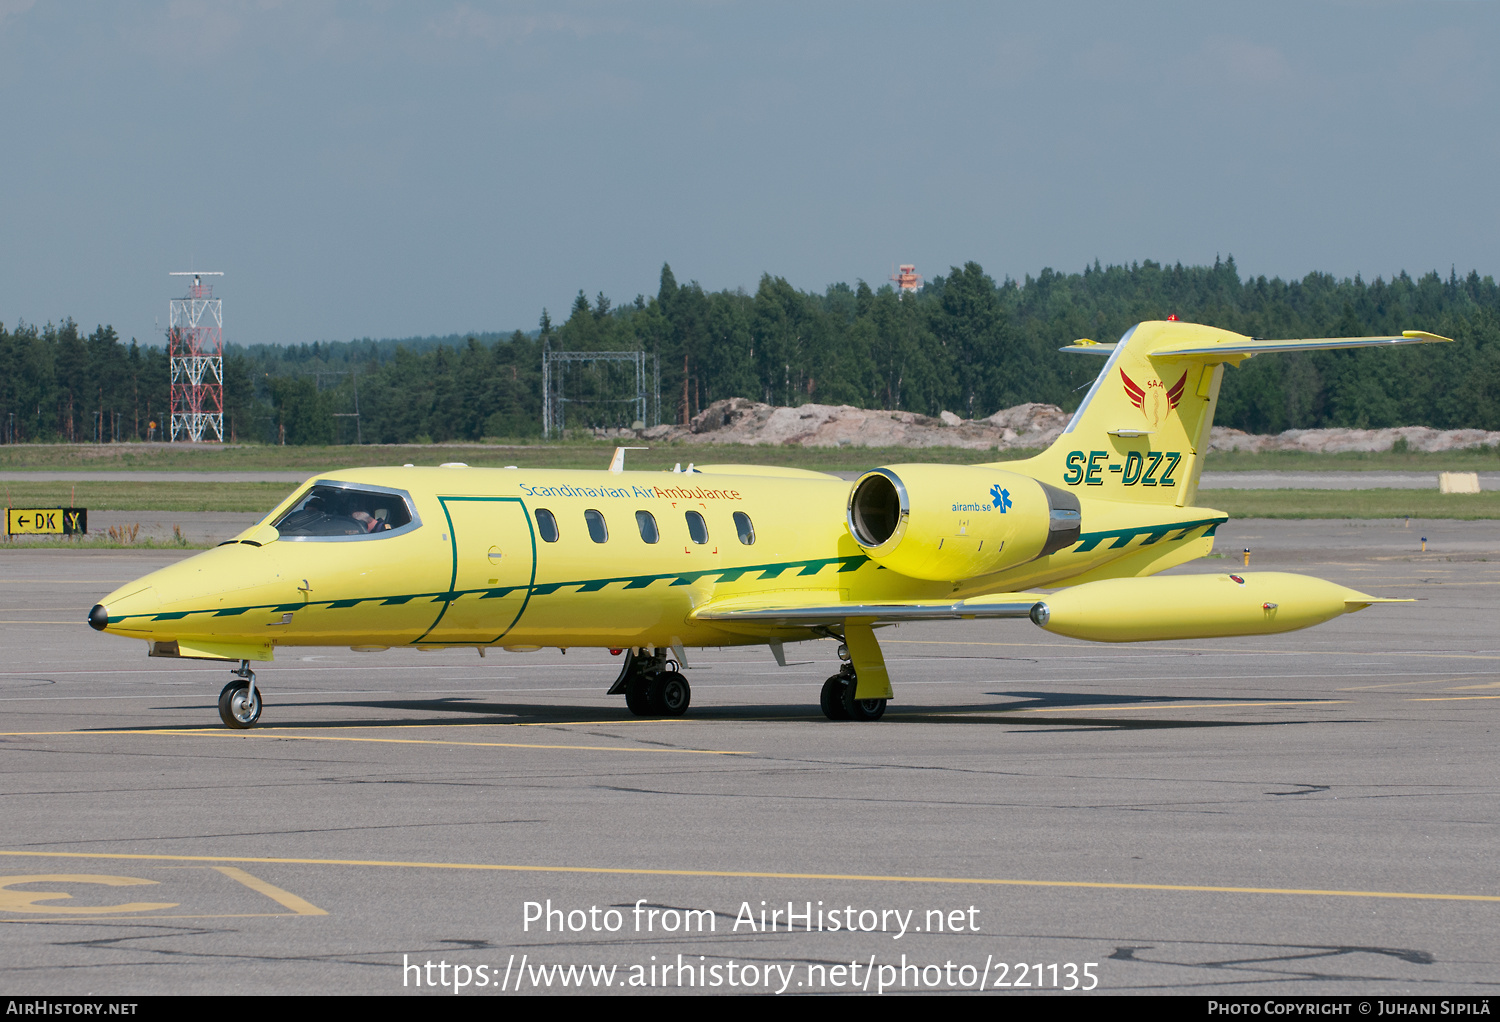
<point x="945" y="523"/>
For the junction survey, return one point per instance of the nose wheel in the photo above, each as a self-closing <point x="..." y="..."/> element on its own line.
<point x="239" y="701"/>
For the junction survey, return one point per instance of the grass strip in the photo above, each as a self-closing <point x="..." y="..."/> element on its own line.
<point x="571" y="454"/>
<point x="596" y="454"/>
<point x="1473" y="459"/>
<point x="1385" y="503"/>
<point x="96" y="542"/>
<point x="261" y="497"/>
<point x="173" y="496"/>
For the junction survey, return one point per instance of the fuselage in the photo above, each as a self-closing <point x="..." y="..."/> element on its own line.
<point x="519" y="557"/>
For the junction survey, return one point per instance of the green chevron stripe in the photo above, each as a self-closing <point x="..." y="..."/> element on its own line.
<point x="1086" y="542"/>
<point x="732" y="574"/>
<point x="1153" y="533"/>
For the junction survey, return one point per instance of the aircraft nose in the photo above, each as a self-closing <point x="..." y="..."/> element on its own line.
<point x="98" y="618"/>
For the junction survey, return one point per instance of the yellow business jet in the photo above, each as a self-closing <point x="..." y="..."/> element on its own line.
<point x="649" y="563"/>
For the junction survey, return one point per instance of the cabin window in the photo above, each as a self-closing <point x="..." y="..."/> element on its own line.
<point x="696" y="527"/>
<point x="598" y="531"/>
<point x="334" y="510"/>
<point x="646" y="522"/>
<point x="745" y="527"/>
<point x="546" y="524"/>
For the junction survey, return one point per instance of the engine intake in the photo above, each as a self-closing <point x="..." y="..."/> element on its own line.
<point x="877" y="508"/>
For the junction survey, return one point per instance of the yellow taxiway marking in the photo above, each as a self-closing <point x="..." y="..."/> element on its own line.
<point x="116" y="919"/>
<point x="272" y="728"/>
<point x="1445" y="699"/>
<point x="1445" y="585"/>
<point x="1169" y="706"/>
<point x="80" y="622"/>
<point x="494" y="723"/>
<point x="757" y="875"/>
<point x="1402" y="684"/>
<point x="268" y="733"/>
<point x="301" y="906"/>
<point x="1086" y="654"/>
<point x="32" y="901"/>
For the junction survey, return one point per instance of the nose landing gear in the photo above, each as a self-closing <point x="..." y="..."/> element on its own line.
<point x="239" y="702"/>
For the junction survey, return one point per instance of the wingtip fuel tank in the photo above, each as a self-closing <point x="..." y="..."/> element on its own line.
<point x="1195" y="606"/>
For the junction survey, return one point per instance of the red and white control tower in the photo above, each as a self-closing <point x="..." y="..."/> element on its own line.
<point x="195" y="344"/>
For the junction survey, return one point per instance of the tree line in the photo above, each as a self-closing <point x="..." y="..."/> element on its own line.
<point x="963" y="343"/>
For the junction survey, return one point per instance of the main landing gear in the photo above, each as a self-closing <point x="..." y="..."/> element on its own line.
<point x="239" y="702"/>
<point x="652" y="685"/>
<point x="839" y="702"/>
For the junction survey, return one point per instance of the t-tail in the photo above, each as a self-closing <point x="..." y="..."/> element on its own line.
<point x="1141" y="432"/>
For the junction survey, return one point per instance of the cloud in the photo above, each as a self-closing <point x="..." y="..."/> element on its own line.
<point x="1446" y="66"/>
<point x="186" y="31"/>
<point x="1240" y="64"/>
<point x="464" y="22"/>
<point x="14" y="8"/>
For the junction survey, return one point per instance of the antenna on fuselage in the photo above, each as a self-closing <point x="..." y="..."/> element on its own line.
<point x="617" y="464"/>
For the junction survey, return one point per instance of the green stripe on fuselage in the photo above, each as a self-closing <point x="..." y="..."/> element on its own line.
<point x="593" y="585"/>
<point x="1087" y="542"/>
<point x="1153" y="533"/>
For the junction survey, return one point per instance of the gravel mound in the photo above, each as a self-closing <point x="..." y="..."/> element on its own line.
<point x="739" y="420"/>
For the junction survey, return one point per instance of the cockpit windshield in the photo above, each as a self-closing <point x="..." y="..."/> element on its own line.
<point x="332" y="511"/>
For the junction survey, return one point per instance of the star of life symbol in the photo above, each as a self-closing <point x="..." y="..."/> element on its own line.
<point x="1001" y="498"/>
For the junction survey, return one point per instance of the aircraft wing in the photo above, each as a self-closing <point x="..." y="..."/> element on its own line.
<point x="771" y="611"/>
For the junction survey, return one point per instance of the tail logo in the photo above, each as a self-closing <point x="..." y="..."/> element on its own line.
<point x="1151" y="398"/>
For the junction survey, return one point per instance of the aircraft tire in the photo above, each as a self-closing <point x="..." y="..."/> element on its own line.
<point x="670" y="694"/>
<point x="833" y="698"/>
<point x="638" y="696"/>
<point x="861" y="709"/>
<point x="235" y="710"/>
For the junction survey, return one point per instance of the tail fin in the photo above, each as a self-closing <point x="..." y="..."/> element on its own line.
<point x="1142" y="430"/>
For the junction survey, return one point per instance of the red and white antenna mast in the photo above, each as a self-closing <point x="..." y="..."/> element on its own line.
<point x="195" y="344"/>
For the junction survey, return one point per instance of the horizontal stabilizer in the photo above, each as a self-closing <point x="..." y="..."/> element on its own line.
<point x="1243" y="347"/>
<point x="1084" y="346"/>
<point x="1237" y="350"/>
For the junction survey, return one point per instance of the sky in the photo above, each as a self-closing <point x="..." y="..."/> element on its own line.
<point x="388" y="170"/>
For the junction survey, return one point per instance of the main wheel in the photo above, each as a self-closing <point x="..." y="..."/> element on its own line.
<point x="861" y="709"/>
<point x="638" y="696"/>
<point x="236" y="708"/>
<point x="833" y="698"/>
<point x="670" y="694"/>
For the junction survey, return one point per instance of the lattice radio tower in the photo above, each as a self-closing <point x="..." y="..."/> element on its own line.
<point x="195" y="343"/>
